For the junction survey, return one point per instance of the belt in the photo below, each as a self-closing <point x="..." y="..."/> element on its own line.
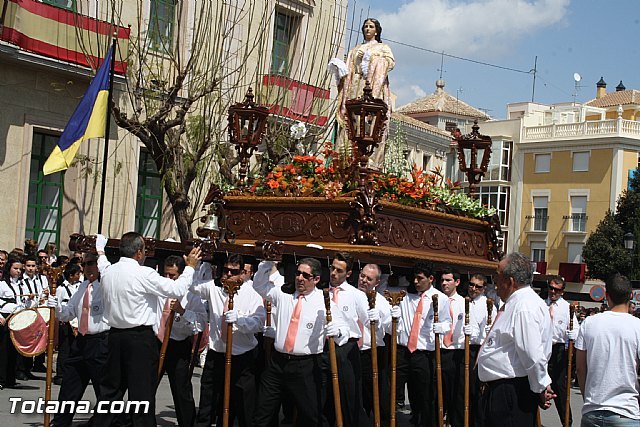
<point x="93" y="336"/>
<point x="287" y="356"/>
<point x="134" y="329"/>
<point x="489" y="385"/>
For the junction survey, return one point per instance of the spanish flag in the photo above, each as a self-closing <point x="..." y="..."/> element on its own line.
<point x="88" y="121"/>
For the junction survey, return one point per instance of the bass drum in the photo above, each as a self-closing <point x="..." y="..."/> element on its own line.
<point x="45" y="312"/>
<point x="29" y="332"/>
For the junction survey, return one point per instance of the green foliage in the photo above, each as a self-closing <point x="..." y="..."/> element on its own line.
<point x="604" y="252"/>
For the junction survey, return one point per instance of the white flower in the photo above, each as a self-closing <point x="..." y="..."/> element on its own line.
<point x="298" y="130"/>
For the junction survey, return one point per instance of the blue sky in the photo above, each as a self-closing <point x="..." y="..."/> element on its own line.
<point x="591" y="37"/>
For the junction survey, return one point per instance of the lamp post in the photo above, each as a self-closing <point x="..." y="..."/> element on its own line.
<point x="470" y="147"/>
<point x="629" y="245"/>
<point x="247" y="124"/>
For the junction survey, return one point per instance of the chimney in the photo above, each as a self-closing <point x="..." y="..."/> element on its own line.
<point x="601" y="88"/>
<point x="620" y="87"/>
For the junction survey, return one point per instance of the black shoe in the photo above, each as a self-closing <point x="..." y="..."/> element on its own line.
<point x="39" y="368"/>
<point x="21" y="376"/>
<point x="57" y="380"/>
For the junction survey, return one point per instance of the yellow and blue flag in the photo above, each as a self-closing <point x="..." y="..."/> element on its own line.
<point x="88" y="120"/>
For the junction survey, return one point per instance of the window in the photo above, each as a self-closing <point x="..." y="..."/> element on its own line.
<point x="284" y="32"/>
<point x="543" y="163"/>
<point x="540" y="212"/>
<point x="149" y="197"/>
<point x="574" y="252"/>
<point x="498" y="169"/>
<point x="426" y="159"/>
<point x="161" y="22"/>
<point x="580" y="161"/>
<point x="578" y="213"/>
<point x="538" y="251"/>
<point x="496" y="196"/>
<point x="63" y="4"/>
<point x="44" y="206"/>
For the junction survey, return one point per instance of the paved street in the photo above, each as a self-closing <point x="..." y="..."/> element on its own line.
<point x="165" y="411"/>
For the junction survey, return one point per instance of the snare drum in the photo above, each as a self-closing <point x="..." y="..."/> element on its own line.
<point x="28" y="332"/>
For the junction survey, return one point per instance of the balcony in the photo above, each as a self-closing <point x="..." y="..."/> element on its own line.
<point x="583" y="130"/>
<point x="572" y="272"/>
<point x="295" y="100"/>
<point x="56" y="33"/>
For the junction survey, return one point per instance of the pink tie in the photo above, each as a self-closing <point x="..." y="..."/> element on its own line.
<point x="335" y="294"/>
<point x="412" y="345"/>
<point x="292" y="331"/>
<point x="551" y="311"/>
<point x="223" y="323"/>
<point x="84" y="317"/>
<point x="448" y="338"/>
<point x="163" y="321"/>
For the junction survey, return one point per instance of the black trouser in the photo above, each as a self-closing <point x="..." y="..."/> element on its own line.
<point x="474" y="387"/>
<point x="262" y="362"/>
<point x="65" y="339"/>
<point x="420" y="383"/>
<point x="453" y="386"/>
<point x="8" y="356"/>
<point x="132" y="364"/>
<point x="383" y="384"/>
<point x="243" y="389"/>
<point x="300" y="377"/>
<point x="558" y="373"/>
<point x="508" y="403"/>
<point x="87" y="361"/>
<point x="350" y="376"/>
<point x="176" y="365"/>
<point x="402" y="375"/>
<point x="24" y="364"/>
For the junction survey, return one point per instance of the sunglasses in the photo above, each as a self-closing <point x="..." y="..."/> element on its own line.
<point x="552" y="289"/>
<point x="232" y="271"/>
<point x="474" y="285"/>
<point x="304" y="274"/>
<point x="88" y="263"/>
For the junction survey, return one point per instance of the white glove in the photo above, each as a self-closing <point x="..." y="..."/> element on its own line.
<point x="52" y="301"/>
<point x="231" y="316"/>
<point x="573" y="334"/>
<point x="374" y="315"/>
<point x="101" y="243"/>
<point x="269" y="332"/>
<point x="487" y="328"/>
<point x="471" y="330"/>
<point x="332" y="329"/>
<point x="396" y="313"/>
<point x="441" y="327"/>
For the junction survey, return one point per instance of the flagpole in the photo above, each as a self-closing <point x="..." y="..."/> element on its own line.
<point x="106" y="133"/>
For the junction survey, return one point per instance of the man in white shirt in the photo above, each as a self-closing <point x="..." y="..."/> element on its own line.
<point x="452" y="345"/>
<point x="416" y="342"/>
<point x="190" y="316"/>
<point x="607" y="354"/>
<point x="296" y="370"/>
<point x="88" y="353"/>
<point x="559" y="312"/>
<point x="476" y="330"/>
<point x="130" y="294"/>
<point x="247" y="317"/>
<point x="355" y="308"/>
<point x="368" y="280"/>
<point x="512" y="362"/>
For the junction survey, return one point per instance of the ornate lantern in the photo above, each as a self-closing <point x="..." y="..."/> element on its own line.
<point x="247" y="124"/>
<point x="471" y="147"/>
<point x="366" y="122"/>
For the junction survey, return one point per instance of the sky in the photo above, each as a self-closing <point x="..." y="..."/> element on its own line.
<point x="593" y="38"/>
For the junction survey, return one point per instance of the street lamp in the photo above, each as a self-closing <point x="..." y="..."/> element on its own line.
<point x="470" y="147"/>
<point x="247" y="124"/>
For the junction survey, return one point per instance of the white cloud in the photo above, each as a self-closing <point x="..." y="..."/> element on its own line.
<point x="418" y="91"/>
<point x="483" y="29"/>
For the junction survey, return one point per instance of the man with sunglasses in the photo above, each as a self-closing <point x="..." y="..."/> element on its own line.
<point x="297" y="369"/>
<point x="477" y="330"/>
<point x="559" y="312"/>
<point x="248" y="316"/>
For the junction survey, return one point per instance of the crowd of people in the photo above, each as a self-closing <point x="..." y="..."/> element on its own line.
<point x="114" y="319"/>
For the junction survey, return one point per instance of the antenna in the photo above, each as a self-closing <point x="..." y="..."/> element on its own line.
<point x="441" y="69"/>
<point x="576" y="78"/>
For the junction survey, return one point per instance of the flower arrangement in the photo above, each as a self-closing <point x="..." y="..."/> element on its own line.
<point x="311" y="176"/>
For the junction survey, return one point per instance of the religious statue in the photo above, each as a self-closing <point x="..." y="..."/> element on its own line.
<point x="369" y="61"/>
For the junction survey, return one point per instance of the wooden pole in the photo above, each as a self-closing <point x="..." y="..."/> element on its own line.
<point x="489" y="310"/>
<point x="267" y="342"/>
<point x="52" y="276"/>
<point x="194" y="353"/>
<point x="567" y="407"/>
<point x="165" y="343"/>
<point x="394" y="299"/>
<point x="371" y="296"/>
<point x="231" y="286"/>
<point x="438" y="365"/>
<point x="467" y="356"/>
<point x="333" y="363"/>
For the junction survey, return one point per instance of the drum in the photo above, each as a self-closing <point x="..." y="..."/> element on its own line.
<point x="29" y="332"/>
<point x="45" y="312"/>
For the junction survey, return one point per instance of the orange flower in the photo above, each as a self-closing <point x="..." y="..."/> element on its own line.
<point x="319" y="169"/>
<point x="278" y="174"/>
<point x="273" y="184"/>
